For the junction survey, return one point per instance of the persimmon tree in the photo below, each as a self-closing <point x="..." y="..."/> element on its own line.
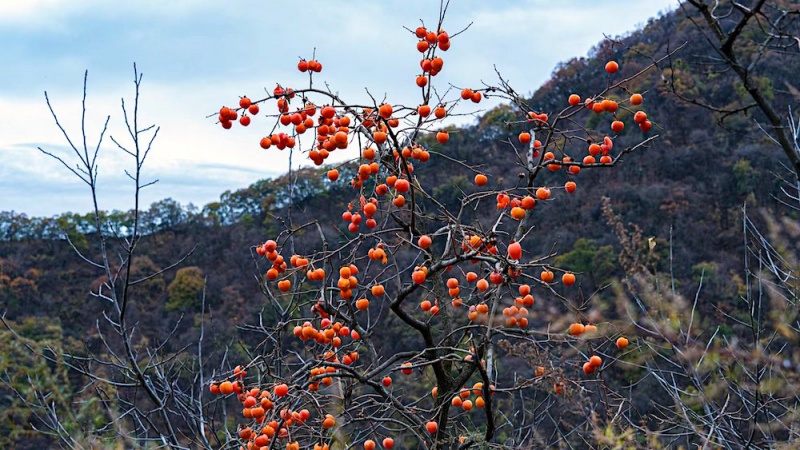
<point x="463" y="280"/>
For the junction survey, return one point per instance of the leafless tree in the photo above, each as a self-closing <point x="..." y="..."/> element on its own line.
<point x="744" y="36"/>
<point x="147" y="396"/>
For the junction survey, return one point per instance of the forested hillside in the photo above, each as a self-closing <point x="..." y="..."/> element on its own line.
<point x="686" y="190"/>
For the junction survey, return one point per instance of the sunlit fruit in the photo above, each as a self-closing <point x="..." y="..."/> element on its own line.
<point x="432" y="427"/>
<point x="576" y="329"/>
<point x="547" y="276"/>
<point x="402" y="185"/>
<point x="542" y="193"/>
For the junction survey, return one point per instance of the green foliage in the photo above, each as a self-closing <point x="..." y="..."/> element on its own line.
<point x="29" y="377"/>
<point x="163" y="215"/>
<point x="586" y="258"/>
<point x="185" y="290"/>
<point x="450" y="191"/>
<point x="493" y="124"/>
<point x="71" y="226"/>
<point x="745" y="177"/>
<point x="705" y="271"/>
<point x="764" y="84"/>
<point x="682" y="79"/>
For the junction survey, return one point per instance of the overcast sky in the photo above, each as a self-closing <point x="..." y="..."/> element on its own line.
<point x="197" y="55"/>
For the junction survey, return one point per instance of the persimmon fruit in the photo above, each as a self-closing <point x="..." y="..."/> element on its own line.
<point x="576" y="329"/>
<point x="281" y="390"/>
<point x="432" y="427"/>
<point x="547" y="276"/>
<point x="542" y="193"/>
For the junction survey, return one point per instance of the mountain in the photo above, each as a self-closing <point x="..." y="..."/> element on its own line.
<point x="687" y="190"/>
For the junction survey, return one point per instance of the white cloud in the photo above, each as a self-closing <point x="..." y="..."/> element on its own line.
<point x="32" y="9"/>
<point x="47" y="13"/>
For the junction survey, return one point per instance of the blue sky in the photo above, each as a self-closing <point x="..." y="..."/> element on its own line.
<point x="197" y="55"/>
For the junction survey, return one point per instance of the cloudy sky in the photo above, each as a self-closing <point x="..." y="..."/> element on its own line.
<point x="197" y="55"/>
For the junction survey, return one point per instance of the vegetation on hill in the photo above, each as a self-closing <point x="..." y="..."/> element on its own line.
<point x="664" y="226"/>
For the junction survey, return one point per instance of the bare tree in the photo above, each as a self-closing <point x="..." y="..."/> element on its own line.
<point x="744" y="36"/>
<point x="148" y="398"/>
<point x="731" y="376"/>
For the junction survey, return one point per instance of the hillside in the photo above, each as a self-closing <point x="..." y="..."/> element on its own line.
<point x="687" y="190"/>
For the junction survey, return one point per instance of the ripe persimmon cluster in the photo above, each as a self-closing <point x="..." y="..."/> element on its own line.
<point x="387" y="140"/>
